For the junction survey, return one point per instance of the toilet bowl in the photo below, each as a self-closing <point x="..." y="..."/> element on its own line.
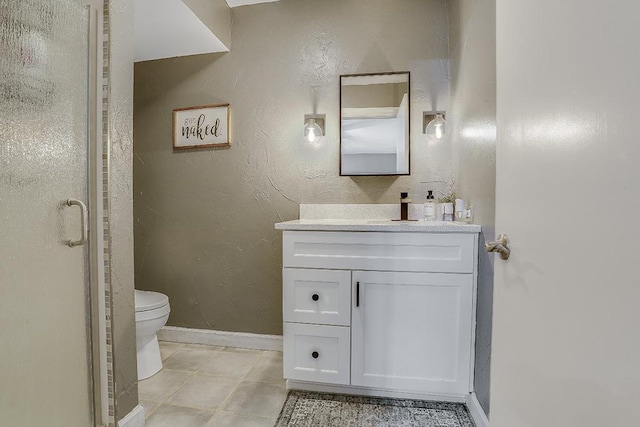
<point x="152" y="312"/>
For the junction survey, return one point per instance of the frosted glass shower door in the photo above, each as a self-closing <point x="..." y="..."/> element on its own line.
<point x="45" y="362"/>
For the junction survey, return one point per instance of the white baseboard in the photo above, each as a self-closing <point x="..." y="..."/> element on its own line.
<point x="362" y="391"/>
<point x="135" y="418"/>
<point x="476" y="411"/>
<point x="221" y="338"/>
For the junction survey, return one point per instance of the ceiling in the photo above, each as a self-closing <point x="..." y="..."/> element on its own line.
<point x="169" y="28"/>
<point x="236" y="3"/>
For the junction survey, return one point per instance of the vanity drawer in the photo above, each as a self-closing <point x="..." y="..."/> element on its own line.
<point x="317" y="296"/>
<point x="380" y="251"/>
<point x="317" y="353"/>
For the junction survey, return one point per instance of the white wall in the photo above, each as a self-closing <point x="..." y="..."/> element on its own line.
<point x="121" y="209"/>
<point x="472" y="129"/>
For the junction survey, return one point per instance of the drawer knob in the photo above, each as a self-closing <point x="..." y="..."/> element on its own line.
<point x="315" y="354"/>
<point x="315" y="297"/>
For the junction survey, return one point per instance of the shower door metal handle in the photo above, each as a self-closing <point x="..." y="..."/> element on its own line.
<point x="84" y="217"/>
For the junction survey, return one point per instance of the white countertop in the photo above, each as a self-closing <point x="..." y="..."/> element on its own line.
<point x="378" y="225"/>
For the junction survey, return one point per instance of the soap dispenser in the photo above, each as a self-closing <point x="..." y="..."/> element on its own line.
<point x="430" y="207"/>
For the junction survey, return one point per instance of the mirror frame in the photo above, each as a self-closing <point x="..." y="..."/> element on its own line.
<point x="408" y="73"/>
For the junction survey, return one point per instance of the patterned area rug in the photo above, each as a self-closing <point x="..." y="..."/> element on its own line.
<point x="307" y="409"/>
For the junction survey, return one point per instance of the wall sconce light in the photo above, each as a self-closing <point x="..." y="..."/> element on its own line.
<point x="313" y="127"/>
<point x="434" y="124"/>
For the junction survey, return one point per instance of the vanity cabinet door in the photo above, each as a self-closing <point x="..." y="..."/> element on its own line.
<point x="412" y="331"/>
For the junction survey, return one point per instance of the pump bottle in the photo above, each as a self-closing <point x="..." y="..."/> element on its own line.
<point x="430" y="208"/>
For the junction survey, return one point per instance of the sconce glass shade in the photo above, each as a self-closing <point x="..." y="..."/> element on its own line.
<point x="436" y="127"/>
<point x="312" y="131"/>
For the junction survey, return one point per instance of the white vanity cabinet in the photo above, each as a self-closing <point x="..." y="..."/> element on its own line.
<point x="379" y="312"/>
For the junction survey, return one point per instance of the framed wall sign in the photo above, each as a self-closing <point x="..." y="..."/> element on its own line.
<point x="203" y="126"/>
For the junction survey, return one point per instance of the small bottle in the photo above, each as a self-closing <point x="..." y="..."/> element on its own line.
<point x="430" y="208"/>
<point x="447" y="209"/>
<point x="469" y="214"/>
<point x="461" y="210"/>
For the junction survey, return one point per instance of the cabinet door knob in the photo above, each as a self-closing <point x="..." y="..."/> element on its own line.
<point x="315" y="297"/>
<point x="315" y="354"/>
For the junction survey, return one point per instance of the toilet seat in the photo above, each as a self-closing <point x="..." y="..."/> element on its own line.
<point x="156" y="313"/>
<point x="151" y="305"/>
<point x="146" y="300"/>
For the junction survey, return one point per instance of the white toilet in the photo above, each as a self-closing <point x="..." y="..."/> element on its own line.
<point x="152" y="312"/>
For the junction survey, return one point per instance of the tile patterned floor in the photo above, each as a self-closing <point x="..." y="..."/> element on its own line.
<point x="209" y="386"/>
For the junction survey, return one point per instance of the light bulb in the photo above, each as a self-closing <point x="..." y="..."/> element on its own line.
<point x="436" y="127"/>
<point x="312" y="131"/>
<point x="312" y="135"/>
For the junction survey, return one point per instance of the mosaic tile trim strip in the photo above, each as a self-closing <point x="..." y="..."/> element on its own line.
<point x="106" y="155"/>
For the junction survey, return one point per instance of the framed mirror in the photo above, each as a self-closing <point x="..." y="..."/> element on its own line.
<point x="374" y="124"/>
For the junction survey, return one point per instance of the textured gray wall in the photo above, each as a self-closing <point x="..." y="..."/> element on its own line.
<point x="121" y="188"/>
<point x="204" y="219"/>
<point x="472" y="121"/>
